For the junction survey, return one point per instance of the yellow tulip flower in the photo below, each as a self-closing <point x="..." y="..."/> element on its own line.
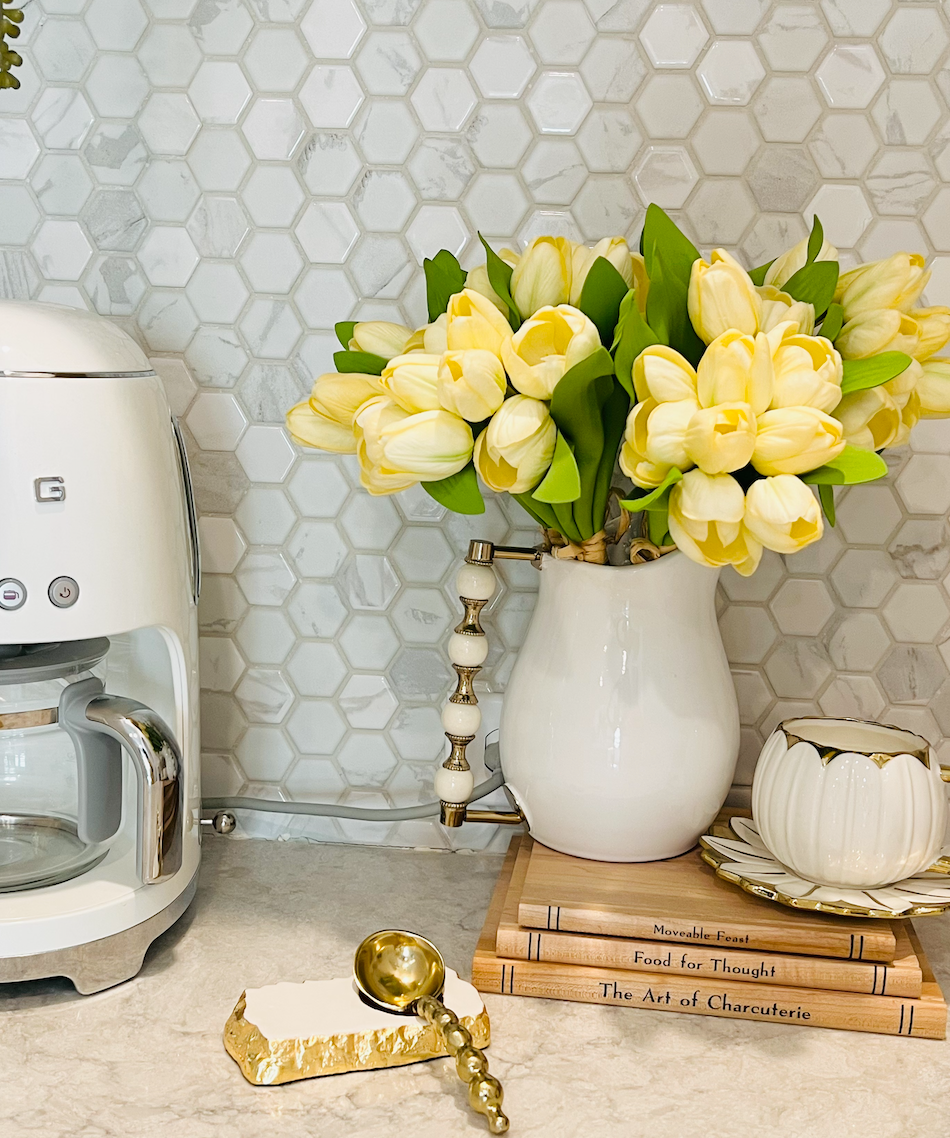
<point x="870" y="419"/>
<point x="542" y="276"/>
<point x="612" y="249"/>
<point x="779" y="308"/>
<point x="412" y="380"/>
<point x="721" y="438"/>
<point x="661" y="373"/>
<point x="896" y="282"/>
<point x="933" y="389"/>
<point x="472" y="321"/>
<point x="471" y="384"/>
<point x="722" y="297"/>
<point x="784" y="267"/>
<point x="477" y="280"/>
<point x="706" y="522"/>
<point x="372" y="418"/>
<point x="325" y="420"/>
<point x="546" y="346"/>
<point x="919" y="333"/>
<point x="806" y="372"/>
<point x="515" y="450"/>
<point x="933" y="330"/>
<point x="397" y="449"/>
<point x="380" y="337"/>
<point x="736" y="368"/>
<point x="782" y="513"/>
<point x="311" y="429"/>
<point x="793" y="440"/>
<point x="641" y="282"/>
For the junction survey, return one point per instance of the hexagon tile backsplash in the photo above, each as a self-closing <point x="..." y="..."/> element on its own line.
<point x="226" y="178"/>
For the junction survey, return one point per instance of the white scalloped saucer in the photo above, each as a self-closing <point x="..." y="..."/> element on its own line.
<point x="743" y="859"/>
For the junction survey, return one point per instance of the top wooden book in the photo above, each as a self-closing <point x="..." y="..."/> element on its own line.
<point x="684" y="902"/>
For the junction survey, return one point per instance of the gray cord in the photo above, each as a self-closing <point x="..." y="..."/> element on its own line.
<point x="324" y="810"/>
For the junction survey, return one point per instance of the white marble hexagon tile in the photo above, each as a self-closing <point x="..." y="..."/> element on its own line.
<point x="229" y="177"/>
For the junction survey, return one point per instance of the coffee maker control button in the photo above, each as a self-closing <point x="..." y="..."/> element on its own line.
<point x="64" y="592"/>
<point x="12" y="594"/>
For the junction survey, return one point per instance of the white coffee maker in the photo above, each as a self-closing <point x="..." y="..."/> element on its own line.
<point x="99" y="576"/>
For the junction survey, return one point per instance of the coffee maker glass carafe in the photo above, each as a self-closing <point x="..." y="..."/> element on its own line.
<point x="62" y="740"/>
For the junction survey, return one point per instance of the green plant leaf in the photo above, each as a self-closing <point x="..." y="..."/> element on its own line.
<point x="831" y="325"/>
<point x="444" y="278"/>
<point x="542" y="513"/>
<point x="576" y="407"/>
<point x="859" y="375"/>
<point x="344" y="331"/>
<point x="459" y="492"/>
<point x="667" y="311"/>
<point x="632" y="336"/>
<point x="758" y="274"/>
<point x="815" y="241"/>
<point x="614" y="418"/>
<point x="562" y="483"/>
<point x="499" y="277"/>
<point x="662" y="235"/>
<point x="652" y="497"/>
<point x="826" y="495"/>
<point x="601" y="296"/>
<point x="365" y="362"/>
<point x="658" y="522"/>
<point x="853" y="465"/>
<point x="814" y="283"/>
<point x="668" y="255"/>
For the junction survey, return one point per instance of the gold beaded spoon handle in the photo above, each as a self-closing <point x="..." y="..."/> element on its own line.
<point x="404" y="973"/>
<point x="485" y="1093"/>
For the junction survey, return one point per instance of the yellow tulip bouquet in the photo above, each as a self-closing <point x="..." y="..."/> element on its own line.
<point x="730" y="397"/>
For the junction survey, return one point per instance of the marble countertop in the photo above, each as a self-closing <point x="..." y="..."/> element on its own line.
<point x="145" y="1059"/>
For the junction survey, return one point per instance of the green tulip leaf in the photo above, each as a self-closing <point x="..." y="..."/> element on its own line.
<point x="444" y="278"/>
<point x="652" y="497"/>
<point x="758" y="274"/>
<point x="364" y="362"/>
<point x="668" y="255"/>
<point x="632" y="336"/>
<point x="826" y="495"/>
<point x="542" y="513"/>
<point x="853" y="465"/>
<point x="814" y="283"/>
<point x="601" y="296"/>
<point x="459" y="492"/>
<point x="562" y="483"/>
<point x="860" y="375"/>
<point x="614" y="418"/>
<point x="661" y="235"/>
<point x="815" y="241"/>
<point x="499" y="277"/>
<point x="667" y="312"/>
<point x="576" y="408"/>
<point x="658" y="523"/>
<point x="831" y="325"/>
<point x="344" y="331"/>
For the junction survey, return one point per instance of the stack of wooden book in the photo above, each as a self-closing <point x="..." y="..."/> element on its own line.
<point x="672" y="936"/>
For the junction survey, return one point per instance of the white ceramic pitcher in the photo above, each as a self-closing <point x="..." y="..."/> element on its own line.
<point x="620" y="729"/>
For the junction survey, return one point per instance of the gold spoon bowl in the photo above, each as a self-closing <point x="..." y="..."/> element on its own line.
<point x="404" y="973"/>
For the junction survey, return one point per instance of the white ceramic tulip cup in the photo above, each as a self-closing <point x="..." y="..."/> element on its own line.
<point x="843" y="802"/>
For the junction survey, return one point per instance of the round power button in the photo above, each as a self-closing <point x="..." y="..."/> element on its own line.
<point x="12" y="594"/>
<point x="64" y="592"/>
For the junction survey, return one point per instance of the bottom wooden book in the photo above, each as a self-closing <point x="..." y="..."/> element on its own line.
<point x="925" y="1017"/>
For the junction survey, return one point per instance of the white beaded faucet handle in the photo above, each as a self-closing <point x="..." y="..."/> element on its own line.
<point x="468" y="648"/>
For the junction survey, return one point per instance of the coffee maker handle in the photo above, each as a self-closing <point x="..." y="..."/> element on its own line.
<point x="93" y="718"/>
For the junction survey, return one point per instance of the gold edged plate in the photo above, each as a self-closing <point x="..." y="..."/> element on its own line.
<point x="739" y="855"/>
